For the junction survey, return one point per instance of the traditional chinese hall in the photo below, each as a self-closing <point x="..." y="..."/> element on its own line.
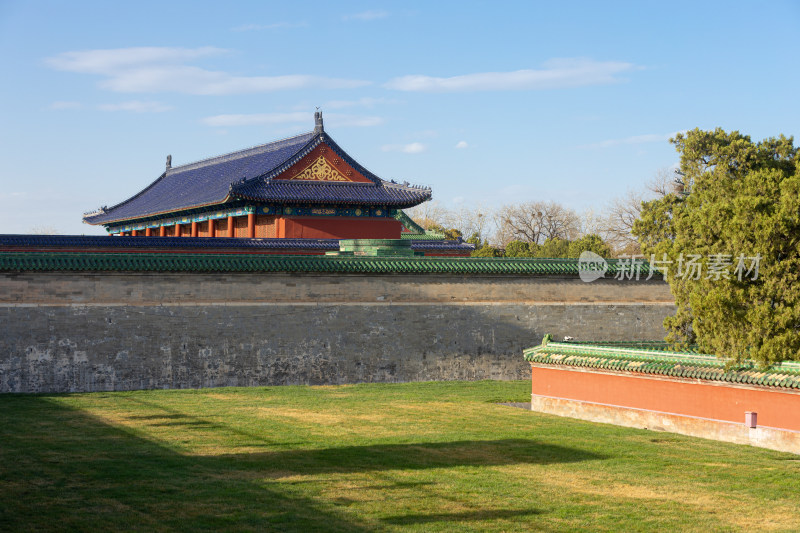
<point x="295" y="189"/>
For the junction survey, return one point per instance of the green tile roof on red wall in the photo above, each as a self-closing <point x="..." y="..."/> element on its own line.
<point x="656" y="358"/>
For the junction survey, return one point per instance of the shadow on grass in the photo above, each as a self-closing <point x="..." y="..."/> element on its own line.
<point x="64" y="469"/>
<point x="189" y="424"/>
<point x="158" y="417"/>
<point x="467" y="516"/>
<point x="400" y="485"/>
<point x="417" y="456"/>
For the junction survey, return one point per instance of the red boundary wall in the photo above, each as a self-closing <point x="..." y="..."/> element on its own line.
<point x="687" y="406"/>
<point x="776" y="408"/>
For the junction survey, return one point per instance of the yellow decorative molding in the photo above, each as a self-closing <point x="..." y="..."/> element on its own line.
<point x="320" y="170"/>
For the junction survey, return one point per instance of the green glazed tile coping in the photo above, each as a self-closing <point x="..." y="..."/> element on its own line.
<point x="190" y="262"/>
<point x="655" y="358"/>
<point x="422" y="236"/>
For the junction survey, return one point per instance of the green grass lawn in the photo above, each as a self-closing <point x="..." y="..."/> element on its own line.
<point x="418" y="457"/>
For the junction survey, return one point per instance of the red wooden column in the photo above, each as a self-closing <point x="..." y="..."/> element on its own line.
<point x="135" y="233"/>
<point x="212" y="230"/>
<point x="162" y="231"/>
<point x="251" y="225"/>
<point x="177" y="230"/>
<point x="148" y="232"/>
<point x="194" y="229"/>
<point x="230" y="226"/>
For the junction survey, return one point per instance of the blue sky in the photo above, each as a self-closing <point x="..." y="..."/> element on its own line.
<point x="489" y="103"/>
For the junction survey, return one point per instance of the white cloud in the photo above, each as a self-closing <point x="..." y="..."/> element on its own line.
<point x="66" y="105"/>
<point x="115" y="59"/>
<point x="136" y="106"/>
<point x="635" y="139"/>
<point x="412" y="148"/>
<point x="300" y="118"/>
<point x="153" y="70"/>
<point x="194" y="80"/>
<point x="461" y="145"/>
<point x="555" y="74"/>
<point x="273" y="26"/>
<point x="367" y="15"/>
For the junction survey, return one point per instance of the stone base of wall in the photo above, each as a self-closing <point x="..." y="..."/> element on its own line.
<point x="765" y="437"/>
<point x="82" y="332"/>
<point x="105" y="348"/>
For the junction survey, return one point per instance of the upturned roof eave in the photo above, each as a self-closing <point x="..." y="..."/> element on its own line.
<point x="239" y="190"/>
<point x="393" y="203"/>
<point x="227" y="198"/>
<point x="88" y="218"/>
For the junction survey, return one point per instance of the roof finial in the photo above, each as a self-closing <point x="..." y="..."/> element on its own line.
<point x="318" y="127"/>
<point x="169" y="162"/>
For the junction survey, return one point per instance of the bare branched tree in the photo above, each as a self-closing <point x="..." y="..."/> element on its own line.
<point x="44" y="230"/>
<point x="427" y="214"/>
<point x="536" y="222"/>
<point x="591" y="222"/>
<point x="618" y="221"/>
<point x="467" y="220"/>
<point x="662" y="183"/>
<point x="615" y="226"/>
<point x="470" y="221"/>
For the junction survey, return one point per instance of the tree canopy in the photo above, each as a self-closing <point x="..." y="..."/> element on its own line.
<point x="552" y="248"/>
<point x="729" y="239"/>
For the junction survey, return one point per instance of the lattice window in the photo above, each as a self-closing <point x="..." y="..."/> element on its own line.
<point x="240" y="226"/>
<point x="265" y="227"/>
<point x="202" y="229"/>
<point x="221" y="226"/>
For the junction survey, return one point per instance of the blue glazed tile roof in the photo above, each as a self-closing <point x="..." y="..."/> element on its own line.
<point x="204" y="182"/>
<point x="289" y="192"/>
<point x="441" y="245"/>
<point x="380" y="192"/>
<point x="247" y="174"/>
<point x="171" y="243"/>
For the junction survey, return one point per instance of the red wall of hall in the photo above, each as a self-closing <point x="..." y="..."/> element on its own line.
<point x="339" y="228"/>
<point x="775" y="408"/>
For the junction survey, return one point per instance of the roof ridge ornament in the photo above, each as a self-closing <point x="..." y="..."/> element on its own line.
<point x="169" y="162"/>
<point x="318" y="126"/>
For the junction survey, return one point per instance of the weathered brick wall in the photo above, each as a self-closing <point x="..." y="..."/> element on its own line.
<point x="120" y="331"/>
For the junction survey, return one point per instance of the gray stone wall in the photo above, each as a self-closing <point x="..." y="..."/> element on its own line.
<point x="62" y="332"/>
